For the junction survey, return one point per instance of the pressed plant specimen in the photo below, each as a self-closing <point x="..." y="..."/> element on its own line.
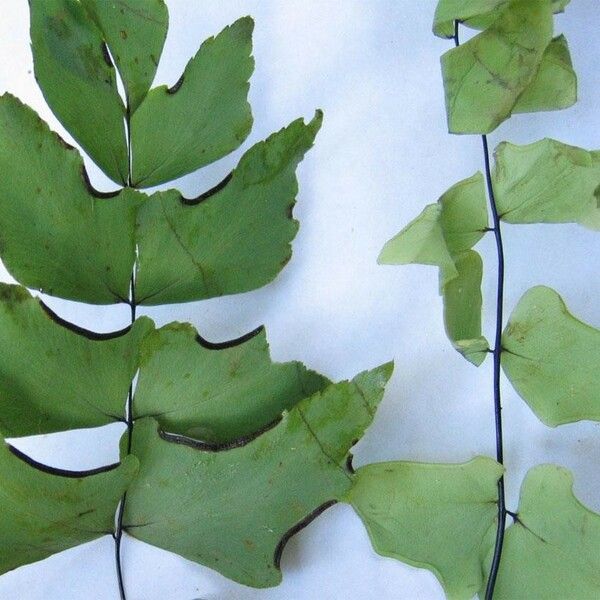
<point x="225" y="454"/>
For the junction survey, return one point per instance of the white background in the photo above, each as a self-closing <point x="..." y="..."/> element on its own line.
<point x="382" y="155"/>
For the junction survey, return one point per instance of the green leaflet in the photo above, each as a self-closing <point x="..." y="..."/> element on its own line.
<point x="135" y="32"/>
<point x="274" y="437"/>
<point x="478" y="14"/>
<point x="229" y="508"/>
<point x="203" y="117"/>
<point x="547" y="182"/>
<point x="462" y="308"/>
<point x="80" y="245"/>
<point x="484" y="78"/>
<point x="45" y="511"/>
<point x="55" y="377"/>
<point x="433" y="516"/>
<point x="552" y="359"/>
<point x="551" y="551"/>
<point x="422" y="241"/>
<point x="79" y="82"/>
<point x="443" y="235"/>
<point x="449" y="11"/>
<point x="234" y="239"/>
<point x="213" y="393"/>
<point x="555" y="85"/>
<point x="174" y="131"/>
<point x="443" y="230"/>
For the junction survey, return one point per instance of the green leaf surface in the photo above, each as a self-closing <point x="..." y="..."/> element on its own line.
<point x="547" y="182"/>
<point x="555" y="85"/>
<point x="464" y="217"/>
<point x="234" y="239"/>
<point x="552" y="359"/>
<point x="551" y="551"/>
<point x="204" y="117"/>
<point x="484" y="78"/>
<point x="422" y="241"/>
<point x="79" y="245"/>
<point x="82" y="244"/>
<point x="449" y="11"/>
<point x="433" y="516"/>
<point x="230" y="508"/>
<point x="45" y="511"/>
<point x="462" y="308"/>
<point x="79" y="81"/>
<point x="442" y="235"/>
<point x="478" y="14"/>
<point x="55" y="377"/>
<point x="443" y="230"/>
<point x="135" y="32"/>
<point x="213" y="393"/>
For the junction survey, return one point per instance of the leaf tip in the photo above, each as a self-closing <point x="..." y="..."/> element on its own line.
<point x="244" y="27"/>
<point x="372" y="383"/>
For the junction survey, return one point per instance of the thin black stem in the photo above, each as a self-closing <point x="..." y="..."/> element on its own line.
<point x="118" y="535"/>
<point x="497" y="355"/>
<point x="497" y="358"/>
<point x="133" y="305"/>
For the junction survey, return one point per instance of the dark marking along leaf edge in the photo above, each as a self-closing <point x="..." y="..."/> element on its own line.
<point x="290" y="533"/>
<point x="90" y="335"/>
<point x="208" y="447"/>
<point x="67" y="147"/>
<point x="205" y="447"/>
<point x="207" y="345"/>
<point x="175" y="88"/>
<point x="211" y="192"/>
<point x="59" y="472"/>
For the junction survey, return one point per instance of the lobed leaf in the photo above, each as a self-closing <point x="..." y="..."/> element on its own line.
<point x="551" y="551"/>
<point x="216" y="392"/>
<point x="135" y="32"/>
<point x="204" y="117"/>
<point x="174" y="131"/>
<point x="80" y="243"/>
<point x="233" y="239"/>
<point x="443" y="235"/>
<point x="78" y="79"/>
<point x="432" y="516"/>
<point x="485" y="77"/>
<point x="55" y="376"/>
<point x="45" y="511"/>
<point x="547" y="182"/>
<point x="555" y="84"/>
<point x="551" y="358"/>
<point x="233" y="508"/>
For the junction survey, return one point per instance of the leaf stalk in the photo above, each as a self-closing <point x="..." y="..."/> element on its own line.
<point x="497" y="357"/>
